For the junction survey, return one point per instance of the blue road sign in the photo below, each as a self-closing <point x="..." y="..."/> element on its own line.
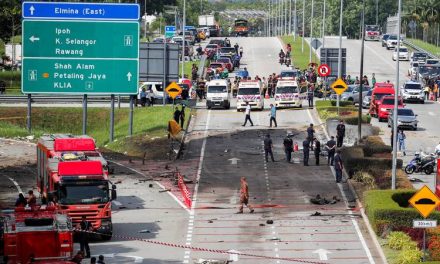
<point x="170" y="29"/>
<point x="80" y="11"/>
<point x="189" y="27"/>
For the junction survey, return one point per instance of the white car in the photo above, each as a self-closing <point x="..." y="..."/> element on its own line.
<point x="391" y="42"/>
<point x="403" y="53"/>
<point x="413" y="69"/>
<point x="412" y="91"/>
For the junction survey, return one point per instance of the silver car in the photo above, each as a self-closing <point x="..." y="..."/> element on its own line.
<point x="352" y="93"/>
<point x="366" y="100"/>
<point x="405" y="119"/>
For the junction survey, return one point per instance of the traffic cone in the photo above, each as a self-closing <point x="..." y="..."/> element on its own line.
<point x="295" y="147"/>
<point x="267" y="94"/>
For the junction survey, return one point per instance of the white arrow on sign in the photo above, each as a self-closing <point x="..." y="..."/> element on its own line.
<point x="129" y="76"/>
<point x="32" y="9"/>
<point x="322" y="253"/>
<point x="234" y="161"/>
<point x="233" y="255"/>
<point x="33" y="38"/>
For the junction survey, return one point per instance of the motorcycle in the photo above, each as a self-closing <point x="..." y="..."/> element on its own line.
<point x="421" y="163"/>
<point x="288" y="61"/>
<point x="281" y="61"/>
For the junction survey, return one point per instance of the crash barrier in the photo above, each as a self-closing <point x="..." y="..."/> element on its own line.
<point x="184" y="190"/>
<point x="408" y="43"/>
<point x="218" y="251"/>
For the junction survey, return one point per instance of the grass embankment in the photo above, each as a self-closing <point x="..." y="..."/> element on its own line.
<point x="347" y="111"/>
<point x="299" y="59"/>
<point x="12" y="80"/>
<point x="149" y="125"/>
<point x="433" y="49"/>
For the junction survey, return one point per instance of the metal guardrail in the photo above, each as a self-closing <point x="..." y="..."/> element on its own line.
<point x="420" y="49"/>
<point x="59" y="99"/>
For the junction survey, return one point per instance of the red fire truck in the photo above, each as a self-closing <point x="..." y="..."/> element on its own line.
<point x="38" y="234"/>
<point x="74" y="173"/>
<point x="372" y="32"/>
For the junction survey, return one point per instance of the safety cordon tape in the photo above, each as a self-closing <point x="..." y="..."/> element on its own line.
<point x="218" y="251"/>
<point x="184" y="190"/>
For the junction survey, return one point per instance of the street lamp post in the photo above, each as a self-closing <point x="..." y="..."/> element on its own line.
<point x="311" y="32"/>
<point x="294" y="24"/>
<point x="290" y="17"/>
<point x="340" y="50"/>
<point x="323" y="25"/>
<point x="361" y="73"/>
<point x="396" y="93"/>
<point x="302" y="35"/>
<point x="183" y="42"/>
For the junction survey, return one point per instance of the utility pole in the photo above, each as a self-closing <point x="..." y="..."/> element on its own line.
<point x="340" y="50"/>
<point x="294" y="23"/>
<point x="311" y="33"/>
<point x="303" y="15"/>
<point x="290" y="17"/>
<point x="183" y="42"/>
<point x="377" y="12"/>
<point x="268" y="20"/>
<point x="323" y="26"/>
<point x="361" y="86"/>
<point x="396" y="93"/>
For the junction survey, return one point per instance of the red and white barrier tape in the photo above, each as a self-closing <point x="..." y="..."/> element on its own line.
<point x="218" y="251"/>
<point x="184" y="190"/>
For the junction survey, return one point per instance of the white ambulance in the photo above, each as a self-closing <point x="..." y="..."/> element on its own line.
<point x="217" y="94"/>
<point x="250" y="91"/>
<point x="289" y="94"/>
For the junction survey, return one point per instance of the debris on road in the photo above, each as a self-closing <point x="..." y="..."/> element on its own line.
<point x="316" y="214"/>
<point x="166" y="190"/>
<point x="322" y="200"/>
<point x="269" y="222"/>
<point x="211" y="261"/>
<point x="144" y="231"/>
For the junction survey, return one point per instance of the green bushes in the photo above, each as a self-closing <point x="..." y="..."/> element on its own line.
<point x="365" y="178"/>
<point x="399" y="240"/>
<point x="409" y="256"/>
<point x="354" y="120"/>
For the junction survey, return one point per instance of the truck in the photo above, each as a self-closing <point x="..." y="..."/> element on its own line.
<point x="241" y="27"/>
<point x="372" y="32"/>
<point x="206" y="20"/>
<point x="73" y="173"/>
<point x="41" y="234"/>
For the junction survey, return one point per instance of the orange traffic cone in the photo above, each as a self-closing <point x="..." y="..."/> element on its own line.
<point x="267" y="94"/>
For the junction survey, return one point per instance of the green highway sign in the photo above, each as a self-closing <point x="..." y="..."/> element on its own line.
<point x="80" y="39"/>
<point x="79" y="76"/>
<point x="80" y="57"/>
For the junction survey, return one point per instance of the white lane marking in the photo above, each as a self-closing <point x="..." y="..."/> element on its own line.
<point x="156" y="182"/>
<point x="196" y="188"/>
<point x="116" y="203"/>
<point x="354" y="222"/>
<point x="16" y="184"/>
<point x="431" y="114"/>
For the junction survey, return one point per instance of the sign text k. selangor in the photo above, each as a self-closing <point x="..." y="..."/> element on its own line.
<point x="80" y="54"/>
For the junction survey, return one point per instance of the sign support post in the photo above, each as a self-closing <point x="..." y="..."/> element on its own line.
<point x="112" y="117"/>
<point x="29" y="113"/>
<point x="130" y="117"/>
<point x="84" y="127"/>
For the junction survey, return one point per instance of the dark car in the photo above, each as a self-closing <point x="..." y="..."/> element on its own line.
<point x="219" y="42"/>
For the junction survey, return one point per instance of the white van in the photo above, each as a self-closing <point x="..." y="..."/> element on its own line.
<point x="289" y="94"/>
<point x="217" y="94"/>
<point x="250" y="91"/>
<point x="155" y="87"/>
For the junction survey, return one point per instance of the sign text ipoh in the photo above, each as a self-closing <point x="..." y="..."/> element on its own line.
<point x="77" y="54"/>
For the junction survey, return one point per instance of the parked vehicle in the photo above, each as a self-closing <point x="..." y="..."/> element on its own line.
<point x="189" y="49"/>
<point x="215" y="67"/>
<point x="367" y="99"/>
<point x="189" y="35"/>
<point x="428" y="71"/>
<point x="220" y="42"/>
<point x="352" y="93"/>
<point x="71" y="168"/>
<point x="391" y="42"/>
<point x="155" y="88"/>
<point x="289" y="94"/>
<point x="227" y="62"/>
<point x="290" y="73"/>
<point x="218" y="94"/>
<point x="421" y="163"/>
<point x="250" y="91"/>
<point x="38" y="234"/>
<point x="386" y="105"/>
<point x="384" y="39"/>
<point x="380" y="90"/>
<point x="405" y="119"/>
<point x="413" y="70"/>
<point x="413" y="91"/>
<point x="402" y="54"/>
<point x="418" y="57"/>
<point x="226" y="51"/>
<point x="372" y="32"/>
<point x="432" y="61"/>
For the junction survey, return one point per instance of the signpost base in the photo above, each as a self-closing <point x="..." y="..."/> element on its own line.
<point x="29" y="113"/>
<point x="130" y="118"/>
<point x="112" y="117"/>
<point x="84" y="128"/>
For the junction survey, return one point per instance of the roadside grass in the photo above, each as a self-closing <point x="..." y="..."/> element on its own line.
<point x="12" y="80"/>
<point x="149" y="123"/>
<point x="299" y="59"/>
<point x="433" y="49"/>
<point x="348" y="112"/>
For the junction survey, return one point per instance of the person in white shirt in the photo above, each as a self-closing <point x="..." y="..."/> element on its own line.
<point x="138" y="98"/>
<point x="247" y="111"/>
<point x="437" y="149"/>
